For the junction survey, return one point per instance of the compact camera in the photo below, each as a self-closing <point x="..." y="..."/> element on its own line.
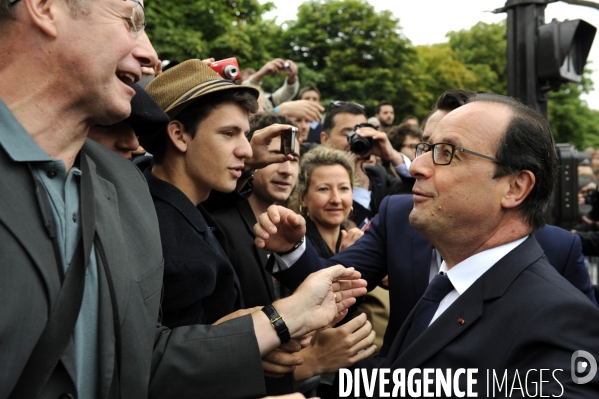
<point x="227" y="68"/>
<point x="288" y="141"/>
<point x="359" y="145"/>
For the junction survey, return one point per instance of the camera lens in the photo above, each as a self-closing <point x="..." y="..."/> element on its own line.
<point x="358" y="145"/>
<point x="230" y="72"/>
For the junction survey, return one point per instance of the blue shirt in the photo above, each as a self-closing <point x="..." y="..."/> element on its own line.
<point x="63" y="195"/>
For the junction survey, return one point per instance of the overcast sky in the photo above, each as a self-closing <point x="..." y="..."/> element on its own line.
<point x="427" y="21"/>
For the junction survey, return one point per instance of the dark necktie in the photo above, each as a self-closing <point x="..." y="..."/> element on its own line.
<point x="426" y="309"/>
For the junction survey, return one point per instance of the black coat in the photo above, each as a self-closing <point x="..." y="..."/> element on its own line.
<point x="249" y="261"/>
<point x="200" y="285"/>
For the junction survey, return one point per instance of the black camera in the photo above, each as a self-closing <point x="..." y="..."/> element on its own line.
<point x="359" y="145"/>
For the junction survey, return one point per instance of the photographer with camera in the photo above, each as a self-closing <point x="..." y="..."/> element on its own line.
<point x="345" y="128"/>
<point x="286" y="92"/>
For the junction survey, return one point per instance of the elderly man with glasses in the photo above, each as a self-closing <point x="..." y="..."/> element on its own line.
<point x="81" y="265"/>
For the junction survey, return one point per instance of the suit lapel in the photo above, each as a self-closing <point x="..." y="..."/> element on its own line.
<point x="108" y="229"/>
<point x="422" y="251"/>
<point x="446" y="328"/>
<point x="469" y="307"/>
<point x="249" y="219"/>
<point x="222" y="250"/>
<point x="20" y="213"/>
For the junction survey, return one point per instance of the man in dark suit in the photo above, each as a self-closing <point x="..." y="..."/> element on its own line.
<point x="392" y="247"/>
<point x="498" y="304"/>
<point x="410" y="261"/>
<point x="73" y="211"/>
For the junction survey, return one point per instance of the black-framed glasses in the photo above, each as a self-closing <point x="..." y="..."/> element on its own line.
<point x="339" y="103"/>
<point x="137" y="21"/>
<point x="443" y="152"/>
<point x="13" y="2"/>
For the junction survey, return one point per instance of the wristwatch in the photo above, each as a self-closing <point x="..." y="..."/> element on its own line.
<point x="296" y="246"/>
<point x="277" y="323"/>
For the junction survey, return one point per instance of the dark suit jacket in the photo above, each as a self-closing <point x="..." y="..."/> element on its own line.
<point x="257" y="288"/>
<point x="237" y="222"/>
<point x="377" y="185"/>
<point x="200" y="285"/>
<point x="155" y="362"/>
<point x="391" y="246"/>
<point x="519" y="315"/>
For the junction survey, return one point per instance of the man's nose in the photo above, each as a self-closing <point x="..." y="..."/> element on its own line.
<point x="244" y="150"/>
<point x="144" y="51"/>
<point x="422" y="166"/>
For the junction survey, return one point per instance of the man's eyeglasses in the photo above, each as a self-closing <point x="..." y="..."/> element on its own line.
<point x="137" y="21"/>
<point x="338" y="103"/>
<point x="443" y="152"/>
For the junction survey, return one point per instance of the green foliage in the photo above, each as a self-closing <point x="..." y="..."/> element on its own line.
<point x="351" y="52"/>
<point x="441" y="70"/>
<point x="356" y="53"/>
<point x="184" y="29"/>
<point x="483" y="50"/>
<point x="572" y="121"/>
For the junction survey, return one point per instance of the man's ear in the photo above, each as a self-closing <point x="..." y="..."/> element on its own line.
<point x="520" y="186"/>
<point x="323" y="137"/>
<point x="44" y="14"/>
<point x="177" y="136"/>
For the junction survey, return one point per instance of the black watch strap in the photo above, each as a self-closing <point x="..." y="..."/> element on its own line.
<point x="277" y="323"/>
<point x="296" y="246"/>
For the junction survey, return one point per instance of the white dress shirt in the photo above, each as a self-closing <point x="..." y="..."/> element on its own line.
<point x="465" y="273"/>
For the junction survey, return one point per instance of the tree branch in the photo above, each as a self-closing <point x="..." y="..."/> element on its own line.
<point x="585" y="3"/>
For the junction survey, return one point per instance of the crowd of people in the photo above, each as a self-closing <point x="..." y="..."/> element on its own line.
<point x="198" y="237"/>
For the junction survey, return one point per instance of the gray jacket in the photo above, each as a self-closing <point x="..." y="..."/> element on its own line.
<point x="194" y="361"/>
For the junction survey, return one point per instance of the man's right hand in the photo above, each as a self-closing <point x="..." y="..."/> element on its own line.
<point x="279" y="229"/>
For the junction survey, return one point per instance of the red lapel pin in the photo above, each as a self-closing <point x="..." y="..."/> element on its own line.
<point x="461" y="321"/>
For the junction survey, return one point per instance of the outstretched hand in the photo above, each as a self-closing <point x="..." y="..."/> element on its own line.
<point x="333" y="348"/>
<point x="322" y="296"/>
<point x="279" y="229"/>
<point x="348" y="238"/>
